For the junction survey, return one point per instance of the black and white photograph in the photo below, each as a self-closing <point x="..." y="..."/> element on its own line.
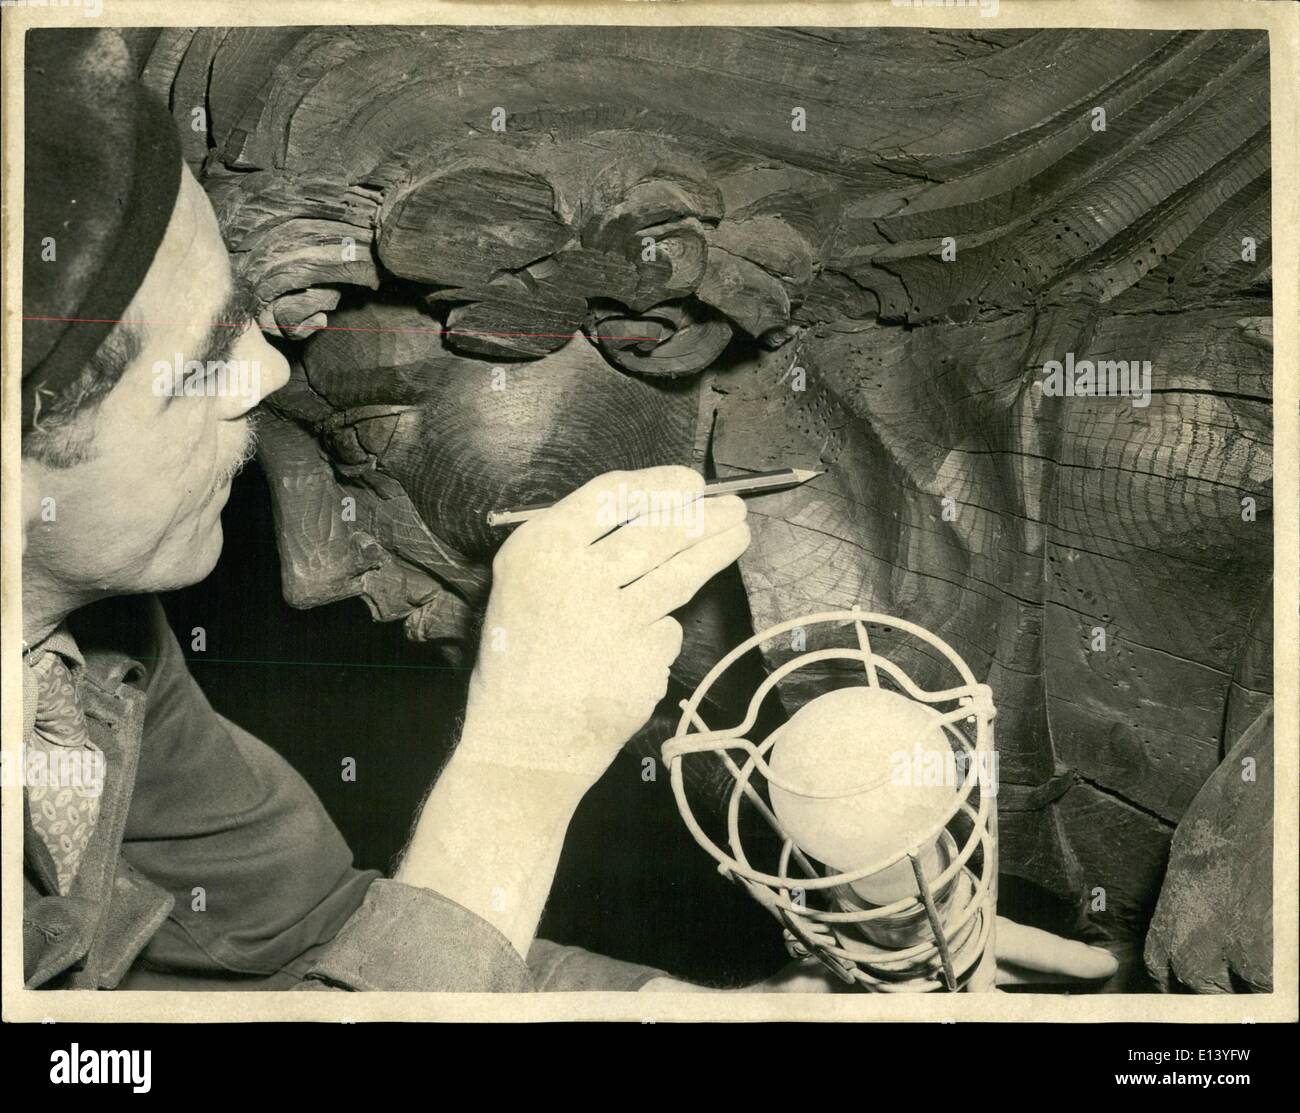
<point x="750" y="516"/>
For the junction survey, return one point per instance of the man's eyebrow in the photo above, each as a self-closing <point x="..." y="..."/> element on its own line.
<point x="236" y="314"/>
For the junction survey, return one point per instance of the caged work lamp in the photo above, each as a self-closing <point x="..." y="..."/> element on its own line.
<point x="882" y="799"/>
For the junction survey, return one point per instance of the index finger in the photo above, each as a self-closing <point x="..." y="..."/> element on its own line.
<point x="607" y="501"/>
<point x="1045" y="953"/>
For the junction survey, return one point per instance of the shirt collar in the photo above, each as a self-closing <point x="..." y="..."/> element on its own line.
<point x="62" y="642"/>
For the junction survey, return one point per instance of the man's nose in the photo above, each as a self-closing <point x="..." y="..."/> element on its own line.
<point x="262" y="371"/>
<point x="275" y="368"/>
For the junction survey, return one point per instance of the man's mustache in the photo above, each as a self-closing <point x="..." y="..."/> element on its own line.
<point x="244" y="452"/>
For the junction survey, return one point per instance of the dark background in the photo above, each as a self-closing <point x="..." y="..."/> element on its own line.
<point x="326" y="684"/>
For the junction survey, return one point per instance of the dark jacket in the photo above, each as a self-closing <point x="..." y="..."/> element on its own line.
<point x="213" y="864"/>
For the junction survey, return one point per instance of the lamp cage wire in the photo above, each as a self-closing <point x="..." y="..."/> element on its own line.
<point x="942" y="938"/>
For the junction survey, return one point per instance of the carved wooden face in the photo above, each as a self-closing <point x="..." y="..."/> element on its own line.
<point x="462" y="436"/>
<point x="401" y="416"/>
<point x="538" y="314"/>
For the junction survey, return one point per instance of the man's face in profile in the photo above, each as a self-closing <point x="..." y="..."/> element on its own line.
<point x="141" y="511"/>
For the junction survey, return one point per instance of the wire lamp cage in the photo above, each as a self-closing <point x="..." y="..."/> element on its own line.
<point x="941" y="937"/>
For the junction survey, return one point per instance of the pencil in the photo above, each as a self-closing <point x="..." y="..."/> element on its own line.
<point x="757" y="483"/>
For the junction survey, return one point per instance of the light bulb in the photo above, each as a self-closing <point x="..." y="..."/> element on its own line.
<point x="856" y="736"/>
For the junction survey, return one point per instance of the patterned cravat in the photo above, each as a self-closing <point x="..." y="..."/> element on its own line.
<point x="63" y="814"/>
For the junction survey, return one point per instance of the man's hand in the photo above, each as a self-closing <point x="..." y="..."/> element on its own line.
<point x="577" y="640"/>
<point x="1024" y="955"/>
<point x="576" y="649"/>
<point x="1027" y="954"/>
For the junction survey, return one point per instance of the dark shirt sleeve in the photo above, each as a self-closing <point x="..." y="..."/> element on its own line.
<point x="259" y="873"/>
<point x="405" y="938"/>
<point x="264" y="882"/>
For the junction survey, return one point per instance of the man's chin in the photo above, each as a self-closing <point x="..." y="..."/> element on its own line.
<point x="196" y="564"/>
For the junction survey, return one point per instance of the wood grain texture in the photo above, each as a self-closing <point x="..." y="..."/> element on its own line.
<point x="951" y="219"/>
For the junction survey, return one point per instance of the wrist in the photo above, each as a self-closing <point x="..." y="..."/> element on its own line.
<point x="507" y="777"/>
<point x="488" y="838"/>
<point x="550" y="743"/>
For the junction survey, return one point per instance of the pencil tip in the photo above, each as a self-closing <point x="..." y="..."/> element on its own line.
<point x="803" y="475"/>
